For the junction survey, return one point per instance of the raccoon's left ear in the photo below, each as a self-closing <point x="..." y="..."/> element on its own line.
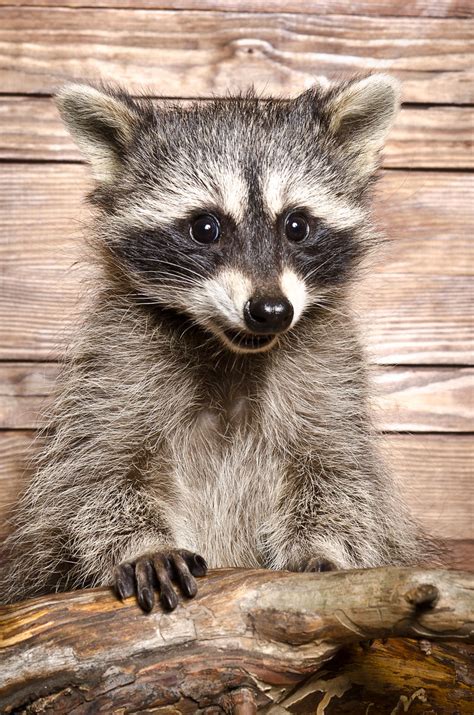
<point x="358" y="115"/>
<point x="102" y="122"/>
<point x="362" y="111"/>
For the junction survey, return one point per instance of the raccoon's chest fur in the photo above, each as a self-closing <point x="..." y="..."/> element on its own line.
<point x="226" y="482"/>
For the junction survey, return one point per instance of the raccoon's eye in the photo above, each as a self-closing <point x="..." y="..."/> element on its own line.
<point x="296" y="226"/>
<point x="205" y="229"/>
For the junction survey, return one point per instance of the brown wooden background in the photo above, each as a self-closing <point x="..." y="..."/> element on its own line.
<point x="420" y="300"/>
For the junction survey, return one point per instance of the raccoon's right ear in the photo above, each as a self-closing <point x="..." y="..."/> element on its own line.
<point x="102" y="122"/>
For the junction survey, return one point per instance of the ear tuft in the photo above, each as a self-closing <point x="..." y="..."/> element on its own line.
<point x="362" y="111"/>
<point x="102" y="122"/>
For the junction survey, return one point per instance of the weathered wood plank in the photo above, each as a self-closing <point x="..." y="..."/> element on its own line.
<point x="438" y="137"/>
<point x="422" y="316"/>
<point x="417" y="8"/>
<point x="460" y="554"/>
<point x="201" y="53"/>
<point x="408" y="399"/>
<point x="435" y="137"/>
<point x="427" y="217"/>
<point x="425" y="399"/>
<point x="435" y="472"/>
<point x="418" y="320"/>
<point x="24" y="392"/>
<point x="16" y="448"/>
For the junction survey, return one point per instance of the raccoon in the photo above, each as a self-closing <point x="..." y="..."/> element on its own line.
<point x="213" y="407"/>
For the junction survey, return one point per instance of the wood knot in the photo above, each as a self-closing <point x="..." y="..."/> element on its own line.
<point x="424" y="595"/>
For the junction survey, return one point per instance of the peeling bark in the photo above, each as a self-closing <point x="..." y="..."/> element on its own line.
<point x="274" y="641"/>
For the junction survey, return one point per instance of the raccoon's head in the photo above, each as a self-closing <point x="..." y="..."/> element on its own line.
<point x="239" y="213"/>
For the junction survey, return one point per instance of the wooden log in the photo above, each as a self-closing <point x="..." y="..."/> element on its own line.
<point x="392" y="8"/>
<point x="204" y="53"/>
<point x="248" y="640"/>
<point x="433" y="137"/>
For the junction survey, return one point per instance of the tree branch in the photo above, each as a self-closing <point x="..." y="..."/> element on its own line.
<point x="250" y="638"/>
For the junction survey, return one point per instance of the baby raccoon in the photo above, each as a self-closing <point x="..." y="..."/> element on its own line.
<point x="213" y="407"/>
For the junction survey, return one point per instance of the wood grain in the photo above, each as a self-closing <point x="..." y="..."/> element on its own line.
<point x="418" y="320"/>
<point x="408" y="319"/>
<point x="425" y="399"/>
<point x="201" y="53"/>
<point x="460" y="554"/>
<point x="426" y="215"/>
<point x="435" y="472"/>
<point x="16" y="449"/>
<point x="428" y="219"/>
<point x="409" y="399"/>
<point x="434" y="137"/>
<point x="415" y="317"/>
<point x="24" y="392"/>
<point x="417" y="8"/>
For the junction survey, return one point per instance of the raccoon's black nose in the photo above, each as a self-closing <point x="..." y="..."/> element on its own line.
<point x="268" y="315"/>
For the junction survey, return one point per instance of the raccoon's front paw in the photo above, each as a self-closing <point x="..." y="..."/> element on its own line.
<point x="316" y="563"/>
<point x="158" y="570"/>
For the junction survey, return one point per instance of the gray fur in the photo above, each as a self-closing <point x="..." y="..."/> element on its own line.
<point x="161" y="435"/>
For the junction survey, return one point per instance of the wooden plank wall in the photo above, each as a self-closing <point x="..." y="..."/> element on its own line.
<point x="418" y="300"/>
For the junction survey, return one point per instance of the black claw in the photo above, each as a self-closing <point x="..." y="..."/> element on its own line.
<point x="168" y="564"/>
<point x="146" y="599"/>
<point x="198" y="566"/>
<point x="188" y="585"/>
<point x="124" y="588"/>
<point x="169" y="599"/>
<point x="125" y="581"/>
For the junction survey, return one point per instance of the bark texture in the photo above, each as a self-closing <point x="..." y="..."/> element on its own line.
<point x="250" y="640"/>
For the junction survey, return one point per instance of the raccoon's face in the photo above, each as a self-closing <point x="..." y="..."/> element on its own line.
<point x="239" y="213"/>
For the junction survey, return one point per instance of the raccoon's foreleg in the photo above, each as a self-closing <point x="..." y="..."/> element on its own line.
<point x="68" y="538"/>
<point x="328" y="519"/>
<point x="133" y="549"/>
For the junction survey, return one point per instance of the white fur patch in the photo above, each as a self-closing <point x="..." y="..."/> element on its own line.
<point x="234" y="193"/>
<point x="282" y="190"/>
<point x="225" y="295"/>
<point x="295" y="290"/>
<point x="227" y="191"/>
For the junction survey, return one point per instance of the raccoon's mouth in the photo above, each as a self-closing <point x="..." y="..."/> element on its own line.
<point x="248" y="341"/>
